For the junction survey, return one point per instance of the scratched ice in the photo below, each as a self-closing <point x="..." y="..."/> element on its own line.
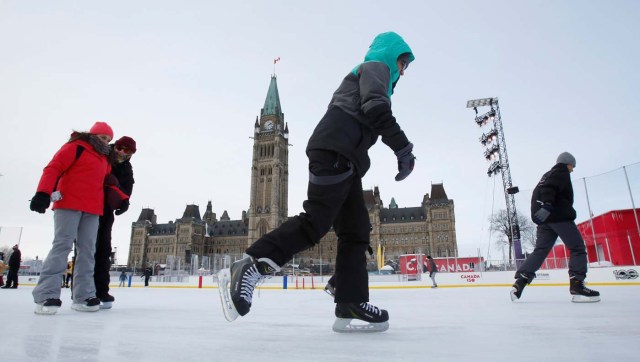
<point x="453" y="324"/>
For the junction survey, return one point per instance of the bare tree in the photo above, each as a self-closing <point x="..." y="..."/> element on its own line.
<point x="528" y="237"/>
<point x="500" y="224"/>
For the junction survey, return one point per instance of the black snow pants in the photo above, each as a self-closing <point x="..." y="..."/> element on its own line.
<point x="546" y="236"/>
<point x="101" y="275"/>
<point x="334" y="198"/>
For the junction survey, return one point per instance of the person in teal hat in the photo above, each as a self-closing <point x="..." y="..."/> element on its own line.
<point x="359" y="113"/>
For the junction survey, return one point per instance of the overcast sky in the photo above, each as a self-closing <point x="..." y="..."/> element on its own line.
<point x="187" y="80"/>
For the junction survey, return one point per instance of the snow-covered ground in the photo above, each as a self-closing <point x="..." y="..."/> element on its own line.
<point x="445" y="324"/>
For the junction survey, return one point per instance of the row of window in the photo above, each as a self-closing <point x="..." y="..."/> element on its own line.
<point x="266" y="171"/>
<point x="393" y="218"/>
<point x="442" y="237"/>
<point x="444" y="226"/>
<point x="440" y="215"/>
<point x="404" y="229"/>
<point x="404" y="241"/>
<point x="267" y="150"/>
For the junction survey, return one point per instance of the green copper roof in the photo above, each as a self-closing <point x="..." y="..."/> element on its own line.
<point x="272" y="103"/>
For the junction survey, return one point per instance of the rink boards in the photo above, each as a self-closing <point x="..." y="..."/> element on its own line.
<point x="610" y="276"/>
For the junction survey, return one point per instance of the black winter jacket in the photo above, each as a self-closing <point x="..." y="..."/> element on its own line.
<point x="14" y="260"/>
<point x="555" y="189"/>
<point x="124" y="173"/>
<point x="358" y="114"/>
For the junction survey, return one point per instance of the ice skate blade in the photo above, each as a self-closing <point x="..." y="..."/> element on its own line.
<point x="584" y="299"/>
<point x="330" y="291"/>
<point x="344" y="325"/>
<point x="85" y="308"/>
<point x="229" y="310"/>
<point x="106" y="305"/>
<point x="42" y="310"/>
<point x="513" y="295"/>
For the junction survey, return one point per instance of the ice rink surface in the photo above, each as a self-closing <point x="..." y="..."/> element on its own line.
<point x="445" y="324"/>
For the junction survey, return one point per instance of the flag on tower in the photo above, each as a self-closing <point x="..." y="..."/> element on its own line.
<point x="276" y="60"/>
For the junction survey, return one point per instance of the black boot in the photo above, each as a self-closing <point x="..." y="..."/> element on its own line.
<point x="521" y="282"/>
<point x="582" y="294"/>
<point x="245" y="275"/>
<point x="377" y="319"/>
<point x="106" y="300"/>
<point x="49" y="306"/>
<point x="330" y="289"/>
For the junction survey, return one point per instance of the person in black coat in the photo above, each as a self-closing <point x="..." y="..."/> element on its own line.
<point x="147" y="275"/>
<point x="3" y="267"/>
<point x="552" y="210"/>
<point x="432" y="268"/>
<point x="122" y="178"/>
<point x="14" y="267"/>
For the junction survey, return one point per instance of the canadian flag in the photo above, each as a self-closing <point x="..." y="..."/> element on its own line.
<point x="276" y="60"/>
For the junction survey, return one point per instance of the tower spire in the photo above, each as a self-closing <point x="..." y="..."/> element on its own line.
<point x="272" y="102"/>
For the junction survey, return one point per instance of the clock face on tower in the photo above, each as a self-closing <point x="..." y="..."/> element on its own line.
<point x="268" y="125"/>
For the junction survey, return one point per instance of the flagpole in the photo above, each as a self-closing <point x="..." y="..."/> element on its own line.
<point x="275" y="60"/>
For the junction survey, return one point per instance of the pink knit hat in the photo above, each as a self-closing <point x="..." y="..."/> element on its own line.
<point x="101" y="128"/>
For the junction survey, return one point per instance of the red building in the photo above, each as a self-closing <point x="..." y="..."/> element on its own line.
<point x="613" y="238"/>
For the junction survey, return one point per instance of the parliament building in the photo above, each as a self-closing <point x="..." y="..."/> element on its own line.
<point x="428" y="228"/>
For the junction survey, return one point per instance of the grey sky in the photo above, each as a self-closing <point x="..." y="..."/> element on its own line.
<point x="187" y="79"/>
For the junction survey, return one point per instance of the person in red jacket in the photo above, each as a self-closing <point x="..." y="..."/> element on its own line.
<point x="74" y="181"/>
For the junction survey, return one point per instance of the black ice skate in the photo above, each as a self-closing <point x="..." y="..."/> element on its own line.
<point x="330" y="289"/>
<point x="582" y="294"/>
<point x="48" y="307"/>
<point x="89" y="305"/>
<point x="106" y="301"/>
<point x="518" y="286"/>
<point x="236" y="284"/>
<point x="376" y="319"/>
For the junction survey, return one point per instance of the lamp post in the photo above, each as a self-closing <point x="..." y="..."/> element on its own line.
<point x="496" y="153"/>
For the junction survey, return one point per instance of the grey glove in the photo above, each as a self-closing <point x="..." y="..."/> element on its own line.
<point x="406" y="161"/>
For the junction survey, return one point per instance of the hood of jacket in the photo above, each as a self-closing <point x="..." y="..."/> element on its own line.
<point x="386" y="48"/>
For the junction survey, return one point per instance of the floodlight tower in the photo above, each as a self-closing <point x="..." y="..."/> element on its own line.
<point x="496" y="153"/>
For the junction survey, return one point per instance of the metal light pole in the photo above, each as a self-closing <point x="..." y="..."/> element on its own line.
<point x="497" y="153"/>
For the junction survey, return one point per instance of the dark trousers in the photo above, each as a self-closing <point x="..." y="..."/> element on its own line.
<point x="146" y="280"/>
<point x="334" y="198"/>
<point x="12" y="278"/>
<point x="546" y="236"/>
<point x="101" y="275"/>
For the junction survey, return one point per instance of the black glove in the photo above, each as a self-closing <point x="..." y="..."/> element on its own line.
<point x="406" y="161"/>
<point x="40" y="202"/>
<point x="124" y="206"/>
<point x="543" y="214"/>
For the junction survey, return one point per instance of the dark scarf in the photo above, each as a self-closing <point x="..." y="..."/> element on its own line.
<point x="98" y="145"/>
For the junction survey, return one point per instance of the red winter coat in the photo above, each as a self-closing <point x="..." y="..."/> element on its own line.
<point x="82" y="181"/>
